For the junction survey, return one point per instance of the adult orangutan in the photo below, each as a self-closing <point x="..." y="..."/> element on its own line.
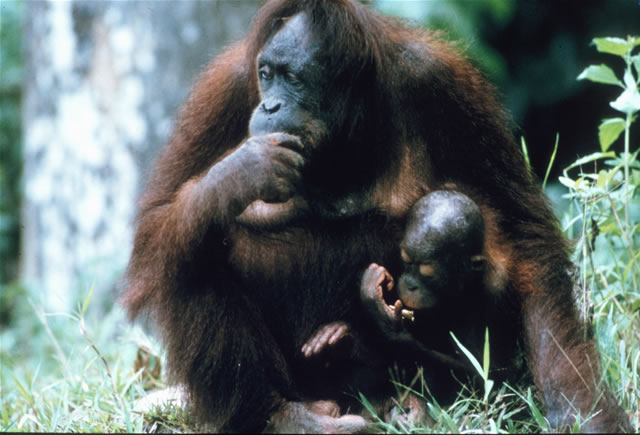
<point x="295" y="160"/>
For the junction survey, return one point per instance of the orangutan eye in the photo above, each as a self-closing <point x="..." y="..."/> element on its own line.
<point x="291" y="78"/>
<point x="427" y="270"/>
<point x="265" y="72"/>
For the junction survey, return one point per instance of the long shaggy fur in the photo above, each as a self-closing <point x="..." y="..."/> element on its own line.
<point x="234" y="305"/>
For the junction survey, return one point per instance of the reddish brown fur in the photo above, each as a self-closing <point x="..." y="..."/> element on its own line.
<point x="235" y="305"/>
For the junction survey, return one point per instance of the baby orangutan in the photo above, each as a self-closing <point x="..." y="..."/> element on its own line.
<point x="443" y="256"/>
<point x="442" y="252"/>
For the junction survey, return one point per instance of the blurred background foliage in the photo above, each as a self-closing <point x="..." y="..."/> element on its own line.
<point x="533" y="51"/>
<point x="10" y="131"/>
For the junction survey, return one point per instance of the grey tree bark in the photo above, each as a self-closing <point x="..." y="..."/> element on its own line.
<point x="103" y="81"/>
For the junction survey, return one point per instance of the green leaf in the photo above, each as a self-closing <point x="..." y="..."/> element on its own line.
<point x="525" y="151"/>
<point x="608" y="228"/>
<point x="617" y="46"/>
<point x="85" y="305"/>
<point x="553" y="157"/>
<point x="608" y="131"/>
<point x="590" y="158"/>
<point x="449" y="423"/>
<point x="600" y="74"/>
<point x="603" y="179"/>
<point x="568" y="182"/>
<point x="628" y="268"/>
<point x="22" y="390"/>
<point x="628" y="102"/>
<point x="486" y="359"/>
<point x="469" y="355"/>
<point x="537" y="415"/>
<point x="488" y="386"/>
<point x="367" y="405"/>
<point x="493" y="426"/>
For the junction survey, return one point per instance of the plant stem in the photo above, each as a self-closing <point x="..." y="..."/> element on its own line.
<point x="627" y="199"/>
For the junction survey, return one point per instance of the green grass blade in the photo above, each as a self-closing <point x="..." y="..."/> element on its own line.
<point x="553" y="157"/>
<point x="469" y="355"/>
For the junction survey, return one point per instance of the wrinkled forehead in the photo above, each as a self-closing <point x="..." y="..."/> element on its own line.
<point x="293" y="37"/>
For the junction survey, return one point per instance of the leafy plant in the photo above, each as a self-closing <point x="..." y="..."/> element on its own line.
<point x="603" y="189"/>
<point x="607" y="197"/>
<point x="628" y="103"/>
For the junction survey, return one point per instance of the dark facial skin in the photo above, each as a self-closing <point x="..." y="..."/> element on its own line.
<point x="288" y="121"/>
<point x="295" y="102"/>
<point x="441" y="250"/>
<point x="292" y="84"/>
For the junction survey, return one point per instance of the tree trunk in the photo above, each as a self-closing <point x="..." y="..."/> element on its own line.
<point x="103" y="80"/>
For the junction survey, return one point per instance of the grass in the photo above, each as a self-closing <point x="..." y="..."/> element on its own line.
<point x="55" y="379"/>
<point x="83" y="372"/>
<point x="75" y="372"/>
<point x="67" y="373"/>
